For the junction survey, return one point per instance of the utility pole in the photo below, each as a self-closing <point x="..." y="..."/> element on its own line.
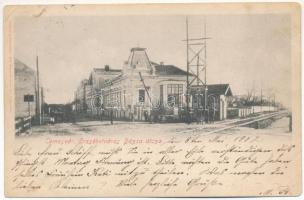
<point x="197" y="51"/>
<point x="206" y="112"/>
<point x="261" y="100"/>
<point x="269" y="103"/>
<point x="253" y="98"/>
<point x="187" y="92"/>
<point x="198" y="98"/>
<point x="253" y="102"/>
<point x="274" y="102"/>
<point x="29" y="112"/>
<point x="42" y="103"/>
<point x="38" y="91"/>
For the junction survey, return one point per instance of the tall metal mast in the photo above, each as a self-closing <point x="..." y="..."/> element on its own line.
<point x="205" y="69"/>
<point x="197" y="52"/>
<point x="188" y="84"/>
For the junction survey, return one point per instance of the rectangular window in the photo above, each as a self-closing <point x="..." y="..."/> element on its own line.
<point x="198" y="100"/>
<point x="175" y="92"/>
<point x="141" y="96"/>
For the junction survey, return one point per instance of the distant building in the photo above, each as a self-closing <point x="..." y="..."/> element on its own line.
<point x="99" y="75"/>
<point x="218" y="95"/>
<point x="80" y="96"/>
<point x="25" y="84"/>
<point x="89" y="90"/>
<point x="88" y="97"/>
<point x="97" y="81"/>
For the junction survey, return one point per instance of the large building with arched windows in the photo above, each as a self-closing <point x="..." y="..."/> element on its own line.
<point x="142" y="88"/>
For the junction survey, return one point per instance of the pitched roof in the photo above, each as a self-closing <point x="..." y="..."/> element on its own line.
<point x="220" y="89"/>
<point x="139" y="58"/>
<point x="163" y="70"/>
<point x="20" y="67"/>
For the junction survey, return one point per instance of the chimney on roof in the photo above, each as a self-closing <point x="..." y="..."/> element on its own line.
<point x="161" y="63"/>
<point x="107" y="68"/>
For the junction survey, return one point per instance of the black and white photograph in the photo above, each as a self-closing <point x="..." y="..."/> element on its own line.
<point x="152" y="69"/>
<point x="187" y="100"/>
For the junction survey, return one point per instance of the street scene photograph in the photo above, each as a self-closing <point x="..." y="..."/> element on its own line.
<point x="78" y="75"/>
<point x="160" y="100"/>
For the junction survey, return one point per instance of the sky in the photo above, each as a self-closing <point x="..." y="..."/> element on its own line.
<point x="249" y="52"/>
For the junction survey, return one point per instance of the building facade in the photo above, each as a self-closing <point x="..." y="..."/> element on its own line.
<point x="144" y="86"/>
<point x="217" y="100"/>
<point x="146" y="90"/>
<point x="25" y="84"/>
<point x="88" y="94"/>
<point x="99" y="76"/>
<point x="97" y="80"/>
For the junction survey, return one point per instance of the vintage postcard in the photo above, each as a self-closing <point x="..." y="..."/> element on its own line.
<point x="152" y="100"/>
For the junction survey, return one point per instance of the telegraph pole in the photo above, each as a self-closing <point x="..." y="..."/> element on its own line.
<point x="274" y="102"/>
<point x="29" y="112"/>
<point x="42" y="102"/>
<point x="187" y="92"/>
<point x="261" y="100"/>
<point x="206" y="112"/>
<point x="38" y="91"/>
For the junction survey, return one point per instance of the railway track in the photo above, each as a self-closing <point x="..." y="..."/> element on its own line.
<point x="251" y="120"/>
<point x="241" y="122"/>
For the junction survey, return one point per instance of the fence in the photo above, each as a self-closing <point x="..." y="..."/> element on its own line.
<point x="244" y="112"/>
<point x="22" y="124"/>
